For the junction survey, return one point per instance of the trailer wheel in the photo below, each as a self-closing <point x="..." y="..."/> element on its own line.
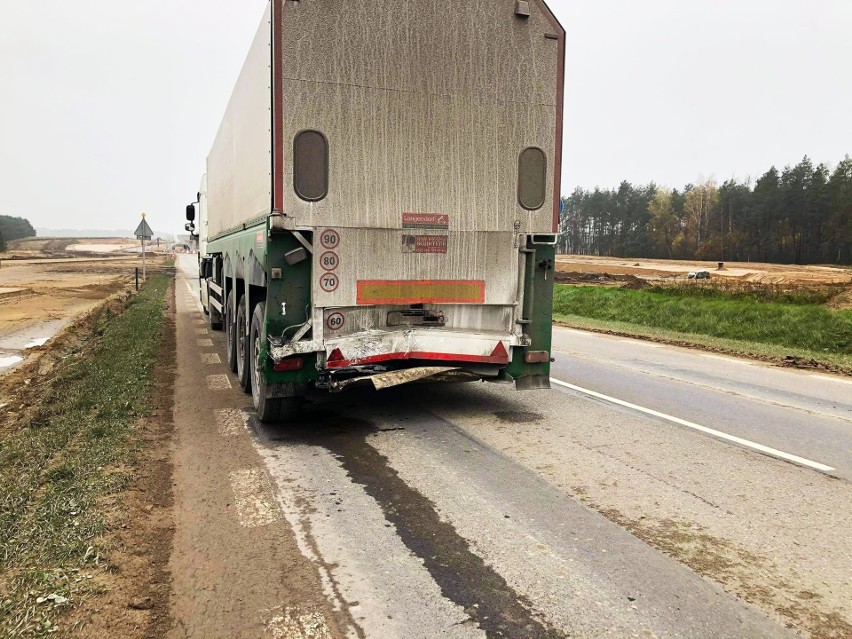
<point x="230" y="332"/>
<point x="269" y="409"/>
<point x="242" y="346"/>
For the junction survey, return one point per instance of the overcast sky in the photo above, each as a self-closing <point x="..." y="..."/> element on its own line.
<point x="109" y="108"/>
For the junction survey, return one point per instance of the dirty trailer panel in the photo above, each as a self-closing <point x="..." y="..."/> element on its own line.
<point x="407" y="211"/>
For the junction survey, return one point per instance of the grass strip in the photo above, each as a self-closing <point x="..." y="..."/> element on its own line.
<point x="806" y="327"/>
<point x="55" y="472"/>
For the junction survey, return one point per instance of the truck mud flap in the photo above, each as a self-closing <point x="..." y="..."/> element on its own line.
<point x="532" y="382"/>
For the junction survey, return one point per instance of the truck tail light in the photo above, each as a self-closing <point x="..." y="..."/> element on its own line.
<point x="536" y="357"/>
<point x="289" y="364"/>
<point x="335" y="356"/>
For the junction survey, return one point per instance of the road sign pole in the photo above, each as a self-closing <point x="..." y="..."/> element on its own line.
<point x="144" y="276"/>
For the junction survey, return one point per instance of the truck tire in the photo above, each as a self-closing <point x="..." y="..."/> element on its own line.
<point x="230" y="332"/>
<point x="242" y="346"/>
<point x="269" y="409"/>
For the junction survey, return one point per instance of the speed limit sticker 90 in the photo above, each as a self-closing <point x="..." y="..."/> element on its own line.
<point x="335" y="321"/>
<point x="330" y="239"/>
<point x="329" y="282"/>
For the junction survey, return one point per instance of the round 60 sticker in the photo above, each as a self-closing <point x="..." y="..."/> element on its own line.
<point x="330" y="239"/>
<point x="329" y="261"/>
<point x="335" y="321"/>
<point x="329" y="282"/>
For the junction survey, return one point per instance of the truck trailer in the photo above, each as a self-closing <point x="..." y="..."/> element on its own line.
<point x="381" y="199"/>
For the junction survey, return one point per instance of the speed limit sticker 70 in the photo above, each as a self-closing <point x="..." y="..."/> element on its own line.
<point x="329" y="282"/>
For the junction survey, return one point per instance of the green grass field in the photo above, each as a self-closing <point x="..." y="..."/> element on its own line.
<point x="78" y="449"/>
<point x="747" y="322"/>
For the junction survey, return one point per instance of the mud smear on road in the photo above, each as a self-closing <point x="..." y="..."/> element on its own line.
<point x="462" y="576"/>
<point x="518" y="416"/>
<point x="735" y="569"/>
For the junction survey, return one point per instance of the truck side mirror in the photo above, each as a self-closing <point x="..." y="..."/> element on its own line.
<point x="190" y="212"/>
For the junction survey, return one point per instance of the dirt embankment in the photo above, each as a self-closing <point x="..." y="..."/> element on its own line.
<point x="129" y="588"/>
<point x="673" y="269"/>
<point x="134" y="599"/>
<point x="66" y="247"/>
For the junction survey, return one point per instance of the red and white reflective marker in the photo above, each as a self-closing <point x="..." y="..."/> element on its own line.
<point x="335" y="321"/>
<point x="330" y="239"/>
<point x="329" y="282"/>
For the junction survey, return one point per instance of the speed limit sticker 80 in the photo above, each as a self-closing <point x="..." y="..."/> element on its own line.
<point x="329" y="261"/>
<point x="329" y="282"/>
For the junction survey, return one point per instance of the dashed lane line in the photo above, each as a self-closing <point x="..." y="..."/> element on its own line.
<point x="205" y="342"/>
<point x="230" y="422"/>
<point x="709" y="431"/>
<point x="297" y="623"/>
<point x="253" y="498"/>
<point x="210" y="358"/>
<point x="218" y="382"/>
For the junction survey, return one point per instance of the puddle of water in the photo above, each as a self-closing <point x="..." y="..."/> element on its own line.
<point x="25" y="337"/>
<point x="6" y="362"/>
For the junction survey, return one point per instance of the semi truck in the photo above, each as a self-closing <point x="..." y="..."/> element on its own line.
<point x="381" y="200"/>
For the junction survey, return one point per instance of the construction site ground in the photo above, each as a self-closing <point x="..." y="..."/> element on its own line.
<point x="45" y="284"/>
<point x="643" y="268"/>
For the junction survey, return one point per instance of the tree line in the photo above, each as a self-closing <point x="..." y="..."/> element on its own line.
<point x="14" y="228"/>
<point x="801" y="215"/>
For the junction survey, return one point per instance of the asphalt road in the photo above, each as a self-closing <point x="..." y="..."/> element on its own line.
<point x="800" y="413"/>
<point x="473" y="510"/>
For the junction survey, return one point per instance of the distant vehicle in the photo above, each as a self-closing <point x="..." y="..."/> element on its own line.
<point x="381" y="208"/>
<point x="699" y="275"/>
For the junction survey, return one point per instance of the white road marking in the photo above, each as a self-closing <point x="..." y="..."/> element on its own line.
<point x="201" y="331"/>
<point x="205" y="342"/>
<point x="641" y="343"/>
<point x="192" y="296"/>
<point x="218" y="382"/>
<point x="298" y="623"/>
<point x="730" y="360"/>
<point x="574" y="330"/>
<point x="210" y="358"/>
<point x="253" y="498"/>
<point x="199" y="321"/>
<point x="230" y="421"/>
<point x="831" y="378"/>
<point x="710" y="431"/>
